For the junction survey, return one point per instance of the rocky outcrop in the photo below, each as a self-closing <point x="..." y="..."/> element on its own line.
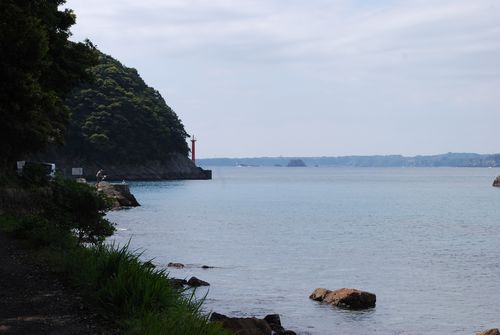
<point x="345" y="298"/>
<point x="496" y="182"/>
<point x="493" y="331"/>
<point x="175" y="166"/>
<point x="119" y="194"/>
<point x="271" y="324"/>
<point x="178" y="283"/>
<point x="195" y="282"/>
<point x="175" y="265"/>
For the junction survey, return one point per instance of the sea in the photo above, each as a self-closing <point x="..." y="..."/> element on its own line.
<point x="426" y="241"/>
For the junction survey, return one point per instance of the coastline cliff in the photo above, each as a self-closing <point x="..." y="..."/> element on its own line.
<point x="121" y="125"/>
<point x="175" y="166"/>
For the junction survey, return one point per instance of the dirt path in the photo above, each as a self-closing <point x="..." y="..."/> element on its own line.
<point x="33" y="300"/>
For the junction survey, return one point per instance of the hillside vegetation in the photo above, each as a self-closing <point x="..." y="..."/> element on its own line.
<point x="119" y="118"/>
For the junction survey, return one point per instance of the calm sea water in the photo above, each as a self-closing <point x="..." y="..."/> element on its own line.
<point x="425" y="240"/>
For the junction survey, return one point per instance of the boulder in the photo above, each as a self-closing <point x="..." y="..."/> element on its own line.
<point x="242" y="326"/>
<point x="493" y="331"/>
<point x="195" y="282"/>
<point x="319" y="294"/>
<point x="496" y="182"/>
<point x="271" y="324"/>
<point x="274" y="321"/>
<point x="349" y="298"/>
<point x="178" y="283"/>
<point x="175" y="265"/>
<point x="118" y="193"/>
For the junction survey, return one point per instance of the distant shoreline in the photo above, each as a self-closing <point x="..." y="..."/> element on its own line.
<point x="443" y="160"/>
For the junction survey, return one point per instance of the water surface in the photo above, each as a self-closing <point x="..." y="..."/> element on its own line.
<point x="425" y="240"/>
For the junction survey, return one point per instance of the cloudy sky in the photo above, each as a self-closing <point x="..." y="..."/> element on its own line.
<point x="317" y="77"/>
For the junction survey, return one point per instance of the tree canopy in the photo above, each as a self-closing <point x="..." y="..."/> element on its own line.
<point x="39" y="66"/>
<point x="119" y="118"/>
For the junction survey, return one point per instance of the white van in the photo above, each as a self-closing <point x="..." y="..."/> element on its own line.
<point x="50" y="168"/>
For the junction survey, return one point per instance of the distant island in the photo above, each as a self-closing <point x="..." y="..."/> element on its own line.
<point x="443" y="160"/>
<point x="296" y="163"/>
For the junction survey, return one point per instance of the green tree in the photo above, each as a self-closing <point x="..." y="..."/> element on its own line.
<point x="39" y="66"/>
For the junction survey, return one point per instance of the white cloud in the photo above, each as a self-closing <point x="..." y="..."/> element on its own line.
<point x="419" y="52"/>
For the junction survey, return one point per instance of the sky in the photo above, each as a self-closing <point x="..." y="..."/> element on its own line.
<point x="252" y="78"/>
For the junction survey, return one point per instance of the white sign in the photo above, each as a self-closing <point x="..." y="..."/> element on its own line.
<point x="77" y="171"/>
<point x="20" y="164"/>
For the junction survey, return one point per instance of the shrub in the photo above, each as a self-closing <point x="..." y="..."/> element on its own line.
<point x="80" y="209"/>
<point x="34" y="175"/>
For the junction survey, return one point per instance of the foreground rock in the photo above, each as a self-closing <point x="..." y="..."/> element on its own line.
<point x="349" y="298"/>
<point x="119" y="194"/>
<point x="493" y="331"/>
<point x="195" y="282"/>
<point x="271" y="324"/>
<point x="496" y="182"/>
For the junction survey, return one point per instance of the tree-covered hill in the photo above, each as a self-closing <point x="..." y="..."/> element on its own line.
<point x="118" y="118"/>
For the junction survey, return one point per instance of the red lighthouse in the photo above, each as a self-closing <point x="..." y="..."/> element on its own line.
<point x="193" y="149"/>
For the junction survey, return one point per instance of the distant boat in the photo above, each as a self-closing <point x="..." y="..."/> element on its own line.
<point x="296" y="163"/>
<point x="246" y="165"/>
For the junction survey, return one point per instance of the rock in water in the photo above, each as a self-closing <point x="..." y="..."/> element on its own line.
<point x="178" y="283"/>
<point x="119" y="193"/>
<point x="274" y="321"/>
<point x="175" y="265"/>
<point x="319" y="294"/>
<point x="493" y="331"/>
<point x="271" y="324"/>
<point x="242" y="326"/>
<point x="195" y="282"/>
<point x="496" y="182"/>
<point x="349" y="298"/>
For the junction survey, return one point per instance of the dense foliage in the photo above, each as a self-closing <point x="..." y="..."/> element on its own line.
<point x="119" y="118"/>
<point x="59" y="206"/>
<point x="38" y="68"/>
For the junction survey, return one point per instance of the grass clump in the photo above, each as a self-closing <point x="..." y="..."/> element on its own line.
<point x="68" y="231"/>
<point x="139" y="298"/>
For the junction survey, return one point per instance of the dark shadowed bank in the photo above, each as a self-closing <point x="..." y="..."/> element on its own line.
<point x="62" y="225"/>
<point x="35" y="301"/>
<point x="174" y="167"/>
